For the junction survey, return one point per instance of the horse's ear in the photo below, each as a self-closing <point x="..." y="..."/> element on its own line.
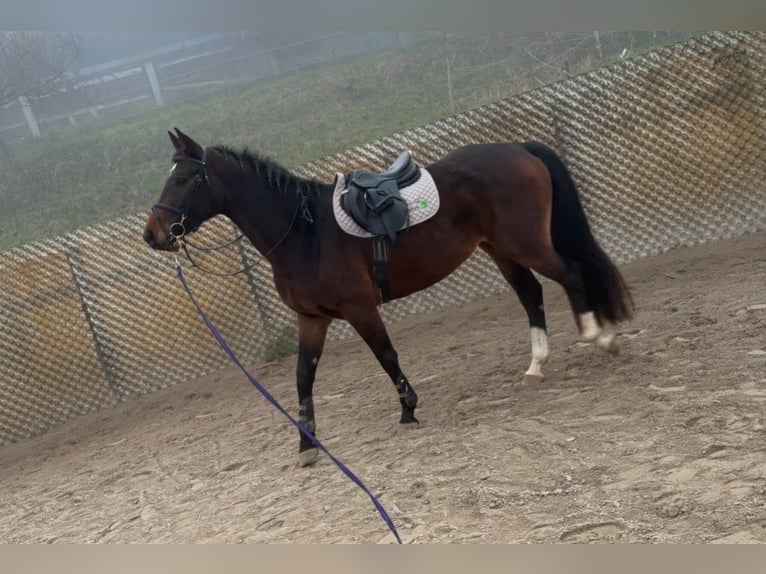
<point x="176" y="143"/>
<point x="188" y="146"/>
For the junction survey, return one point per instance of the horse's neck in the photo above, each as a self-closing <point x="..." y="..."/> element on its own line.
<point x="270" y="215"/>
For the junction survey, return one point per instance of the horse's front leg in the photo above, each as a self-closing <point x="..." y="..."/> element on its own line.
<point x="311" y="337"/>
<point x="367" y="322"/>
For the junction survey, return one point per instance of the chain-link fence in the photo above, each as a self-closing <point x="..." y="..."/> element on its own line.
<point x="667" y="150"/>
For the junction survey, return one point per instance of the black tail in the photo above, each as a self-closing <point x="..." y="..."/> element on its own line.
<point x="607" y="293"/>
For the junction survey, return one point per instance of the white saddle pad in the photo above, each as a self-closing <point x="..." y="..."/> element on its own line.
<point x="422" y="199"/>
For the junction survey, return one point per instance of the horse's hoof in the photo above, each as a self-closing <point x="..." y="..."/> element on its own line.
<point x="411" y="425"/>
<point x="530" y="379"/>
<point x="610" y="343"/>
<point x="308" y="457"/>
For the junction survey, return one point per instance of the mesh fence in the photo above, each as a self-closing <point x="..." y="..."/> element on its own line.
<point x="668" y="149"/>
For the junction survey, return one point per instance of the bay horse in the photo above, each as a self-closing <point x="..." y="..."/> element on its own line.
<point x="516" y="201"/>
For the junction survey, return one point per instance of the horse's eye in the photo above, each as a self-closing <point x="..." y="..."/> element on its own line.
<point x="180" y="180"/>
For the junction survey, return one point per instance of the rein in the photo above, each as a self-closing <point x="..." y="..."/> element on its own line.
<point x="178" y="231"/>
<point x="342" y="467"/>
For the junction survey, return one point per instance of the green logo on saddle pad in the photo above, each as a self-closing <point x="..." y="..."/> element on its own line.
<point x="424" y="204"/>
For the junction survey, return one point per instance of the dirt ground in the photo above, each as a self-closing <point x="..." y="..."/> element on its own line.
<point x="664" y="443"/>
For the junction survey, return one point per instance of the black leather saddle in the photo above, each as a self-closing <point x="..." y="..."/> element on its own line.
<point x="373" y="199"/>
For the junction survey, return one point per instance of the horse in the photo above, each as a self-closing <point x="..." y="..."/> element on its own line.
<point x="516" y="201"/>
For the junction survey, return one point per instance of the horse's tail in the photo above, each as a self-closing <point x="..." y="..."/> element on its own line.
<point x="607" y="293"/>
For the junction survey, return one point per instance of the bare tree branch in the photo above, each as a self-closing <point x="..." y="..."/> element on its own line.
<point x="546" y="64"/>
<point x="32" y="62"/>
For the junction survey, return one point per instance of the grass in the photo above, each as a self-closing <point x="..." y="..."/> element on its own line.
<point x="283" y="345"/>
<point x="77" y="177"/>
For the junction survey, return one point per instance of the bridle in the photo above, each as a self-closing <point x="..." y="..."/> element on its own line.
<point x="178" y="231"/>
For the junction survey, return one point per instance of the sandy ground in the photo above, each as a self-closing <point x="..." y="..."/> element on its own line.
<point x="664" y="443"/>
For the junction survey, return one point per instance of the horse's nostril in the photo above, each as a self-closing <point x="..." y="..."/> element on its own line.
<point x="149" y="237"/>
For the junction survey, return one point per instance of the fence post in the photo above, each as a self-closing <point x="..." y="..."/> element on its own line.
<point x="29" y="116"/>
<point x="559" y="134"/>
<point x="149" y="68"/>
<point x="252" y="283"/>
<point x="275" y="69"/>
<point x="449" y="86"/>
<point x="108" y="377"/>
<point x="598" y="45"/>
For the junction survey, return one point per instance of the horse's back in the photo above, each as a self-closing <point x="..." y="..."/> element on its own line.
<point x="487" y="159"/>
<point x="489" y="169"/>
<point x="491" y="151"/>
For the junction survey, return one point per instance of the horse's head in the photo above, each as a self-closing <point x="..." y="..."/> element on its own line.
<point x="187" y="199"/>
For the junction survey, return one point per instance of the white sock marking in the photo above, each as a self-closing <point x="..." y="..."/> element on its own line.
<point x="590" y="328"/>
<point x="539" y="350"/>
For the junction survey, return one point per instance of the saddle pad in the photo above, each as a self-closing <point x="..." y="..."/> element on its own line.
<point x="422" y="199"/>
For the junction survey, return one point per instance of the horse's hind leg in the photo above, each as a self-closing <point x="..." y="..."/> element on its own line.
<point x="590" y="326"/>
<point x="568" y="274"/>
<point x="530" y="294"/>
<point x="367" y="322"/>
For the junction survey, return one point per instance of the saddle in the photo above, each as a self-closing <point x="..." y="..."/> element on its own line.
<point x="373" y="199"/>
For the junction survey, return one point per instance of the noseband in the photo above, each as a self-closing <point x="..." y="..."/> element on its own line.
<point x="177" y="229"/>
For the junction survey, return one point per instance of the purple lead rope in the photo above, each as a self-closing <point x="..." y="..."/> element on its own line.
<point x="356" y="480"/>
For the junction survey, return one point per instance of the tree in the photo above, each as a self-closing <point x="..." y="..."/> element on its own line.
<point x="32" y="62"/>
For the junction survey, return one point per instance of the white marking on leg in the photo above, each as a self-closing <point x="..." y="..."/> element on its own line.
<point x="605" y="339"/>
<point x="609" y="342"/>
<point x="589" y="327"/>
<point x="539" y="351"/>
<point x="172" y="168"/>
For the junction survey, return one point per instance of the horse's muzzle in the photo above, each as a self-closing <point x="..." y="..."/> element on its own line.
<point x="156" y="238"/>
<point x="150" y="238"/>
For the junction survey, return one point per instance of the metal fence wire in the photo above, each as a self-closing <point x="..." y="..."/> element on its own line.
<point x="668" y="149"/>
